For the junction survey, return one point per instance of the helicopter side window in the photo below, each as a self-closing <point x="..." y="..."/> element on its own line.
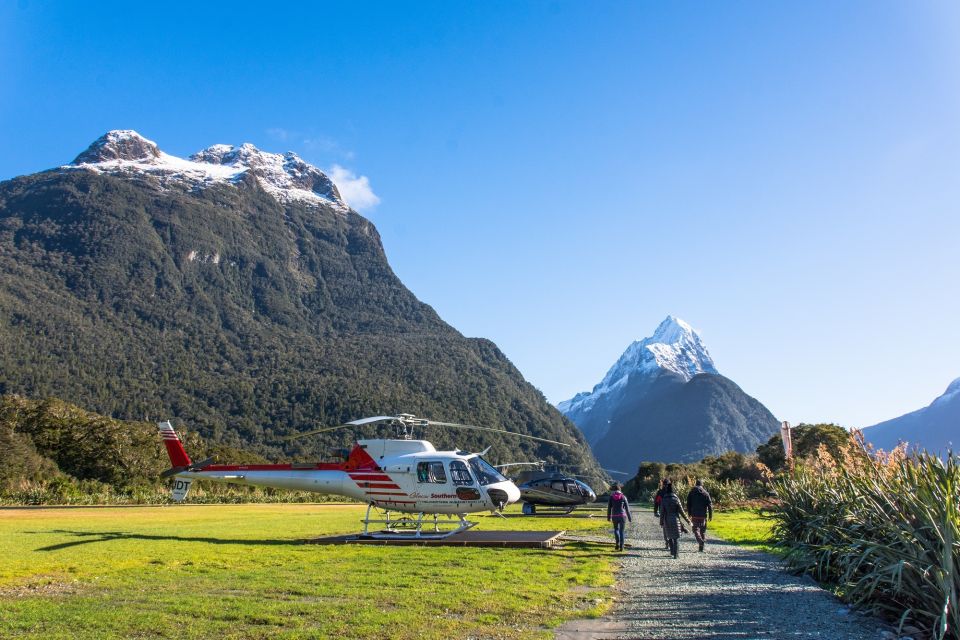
<point x="485" y="473"/>
<point x="558" y="486"/>
<point x="431" y="472"/>
<point x="460" y="474"/>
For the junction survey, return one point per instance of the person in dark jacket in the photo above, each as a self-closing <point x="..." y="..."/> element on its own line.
<point x="671" y="511"/>
<point x="656" y="506"/>
<point x="700" y="509"/>
<point x="618" y="511"/>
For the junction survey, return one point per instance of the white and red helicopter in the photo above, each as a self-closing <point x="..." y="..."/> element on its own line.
<point x="402" y="474"/>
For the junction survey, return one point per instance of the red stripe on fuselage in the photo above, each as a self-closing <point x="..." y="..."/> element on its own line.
<point x="371" y="477"/>
<point x="385" y="493"/>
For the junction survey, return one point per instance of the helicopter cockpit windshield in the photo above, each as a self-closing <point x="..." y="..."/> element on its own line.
<point x="485" y="472"/>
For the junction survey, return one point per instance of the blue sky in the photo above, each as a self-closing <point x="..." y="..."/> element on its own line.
<point x="560" y="176"/>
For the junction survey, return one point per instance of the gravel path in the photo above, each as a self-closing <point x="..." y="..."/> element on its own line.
<point x="724" y="593"/>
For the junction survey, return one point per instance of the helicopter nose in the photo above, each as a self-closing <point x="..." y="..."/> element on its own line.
<point x="503" y="493"/>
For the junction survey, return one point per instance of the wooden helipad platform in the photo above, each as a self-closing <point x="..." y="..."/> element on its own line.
<point x="470" y="538"/>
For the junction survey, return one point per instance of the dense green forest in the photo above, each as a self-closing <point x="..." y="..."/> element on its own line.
<point x="52" y="452"/>
<point x="240" y="318"/>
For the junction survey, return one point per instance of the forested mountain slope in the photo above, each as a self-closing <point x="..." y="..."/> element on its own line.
<point x="143" y="286"/>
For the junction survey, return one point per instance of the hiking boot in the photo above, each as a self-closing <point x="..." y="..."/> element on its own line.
<point x="701" y="547"/>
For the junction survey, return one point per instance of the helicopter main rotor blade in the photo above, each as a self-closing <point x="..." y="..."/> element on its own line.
<point x="352" y="423"/>
<point x="538" y="463"/>
<point x="361" y="421"/>
<point x="316" y="431"/>
<point x="473" y="426"/>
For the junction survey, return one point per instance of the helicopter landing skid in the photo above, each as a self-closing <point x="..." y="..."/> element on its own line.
<point x="412" y="528"/>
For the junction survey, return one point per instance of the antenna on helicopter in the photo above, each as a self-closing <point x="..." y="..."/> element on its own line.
<point x="406" y="422"/>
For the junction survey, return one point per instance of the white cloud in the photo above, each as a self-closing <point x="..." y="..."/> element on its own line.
<point x="355" y="190"/>
<point x="278" y="133"/>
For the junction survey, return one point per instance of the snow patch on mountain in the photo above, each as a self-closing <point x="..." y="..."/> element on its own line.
<point x="286" y="177"/>
<point x="674" y="347"/>
<point x="952" y="392"/>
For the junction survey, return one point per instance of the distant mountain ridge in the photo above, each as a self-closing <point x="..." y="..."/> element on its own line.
<point x="935" y="427"/>
<point x="664" y="400"/>
<point x="236" y="291"/>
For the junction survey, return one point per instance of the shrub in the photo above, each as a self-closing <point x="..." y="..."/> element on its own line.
<point x="883" y="528"/>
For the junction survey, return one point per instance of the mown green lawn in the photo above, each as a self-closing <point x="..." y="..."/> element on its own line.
<point x="744" y="527"/>
<point x="241" y="571"/>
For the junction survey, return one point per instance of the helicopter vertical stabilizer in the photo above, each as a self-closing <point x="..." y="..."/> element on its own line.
<point x="178" y="455"/>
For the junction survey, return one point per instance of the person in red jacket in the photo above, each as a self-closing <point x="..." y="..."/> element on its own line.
<point x="618" y="511"/>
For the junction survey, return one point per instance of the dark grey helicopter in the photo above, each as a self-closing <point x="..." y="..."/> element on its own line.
<point x="552" y="489"/>
<point x="555" y="490"/>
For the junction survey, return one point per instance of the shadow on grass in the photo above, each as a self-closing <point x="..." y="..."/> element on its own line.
<point x="89" y="537"/>
<point x="548" y="514"/>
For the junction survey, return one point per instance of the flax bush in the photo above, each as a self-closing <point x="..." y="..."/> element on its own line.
<point x="884" y="529"/>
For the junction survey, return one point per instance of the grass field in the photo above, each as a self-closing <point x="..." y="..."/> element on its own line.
<point x="744" y="527"/>
<point x="241" y="571"/>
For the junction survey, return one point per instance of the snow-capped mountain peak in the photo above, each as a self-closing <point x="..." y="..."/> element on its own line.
<point x="280" y="174"/>
<point x="119" y="145"/>
<point x="675" y="347"/>
<point x="286" y="177"/>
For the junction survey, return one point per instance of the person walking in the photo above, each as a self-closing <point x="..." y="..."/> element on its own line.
<point x="700" y="508"/>
<point x="618" y="511"/>
<point x="657" y="500"/>
<point x="671" y="511"/>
